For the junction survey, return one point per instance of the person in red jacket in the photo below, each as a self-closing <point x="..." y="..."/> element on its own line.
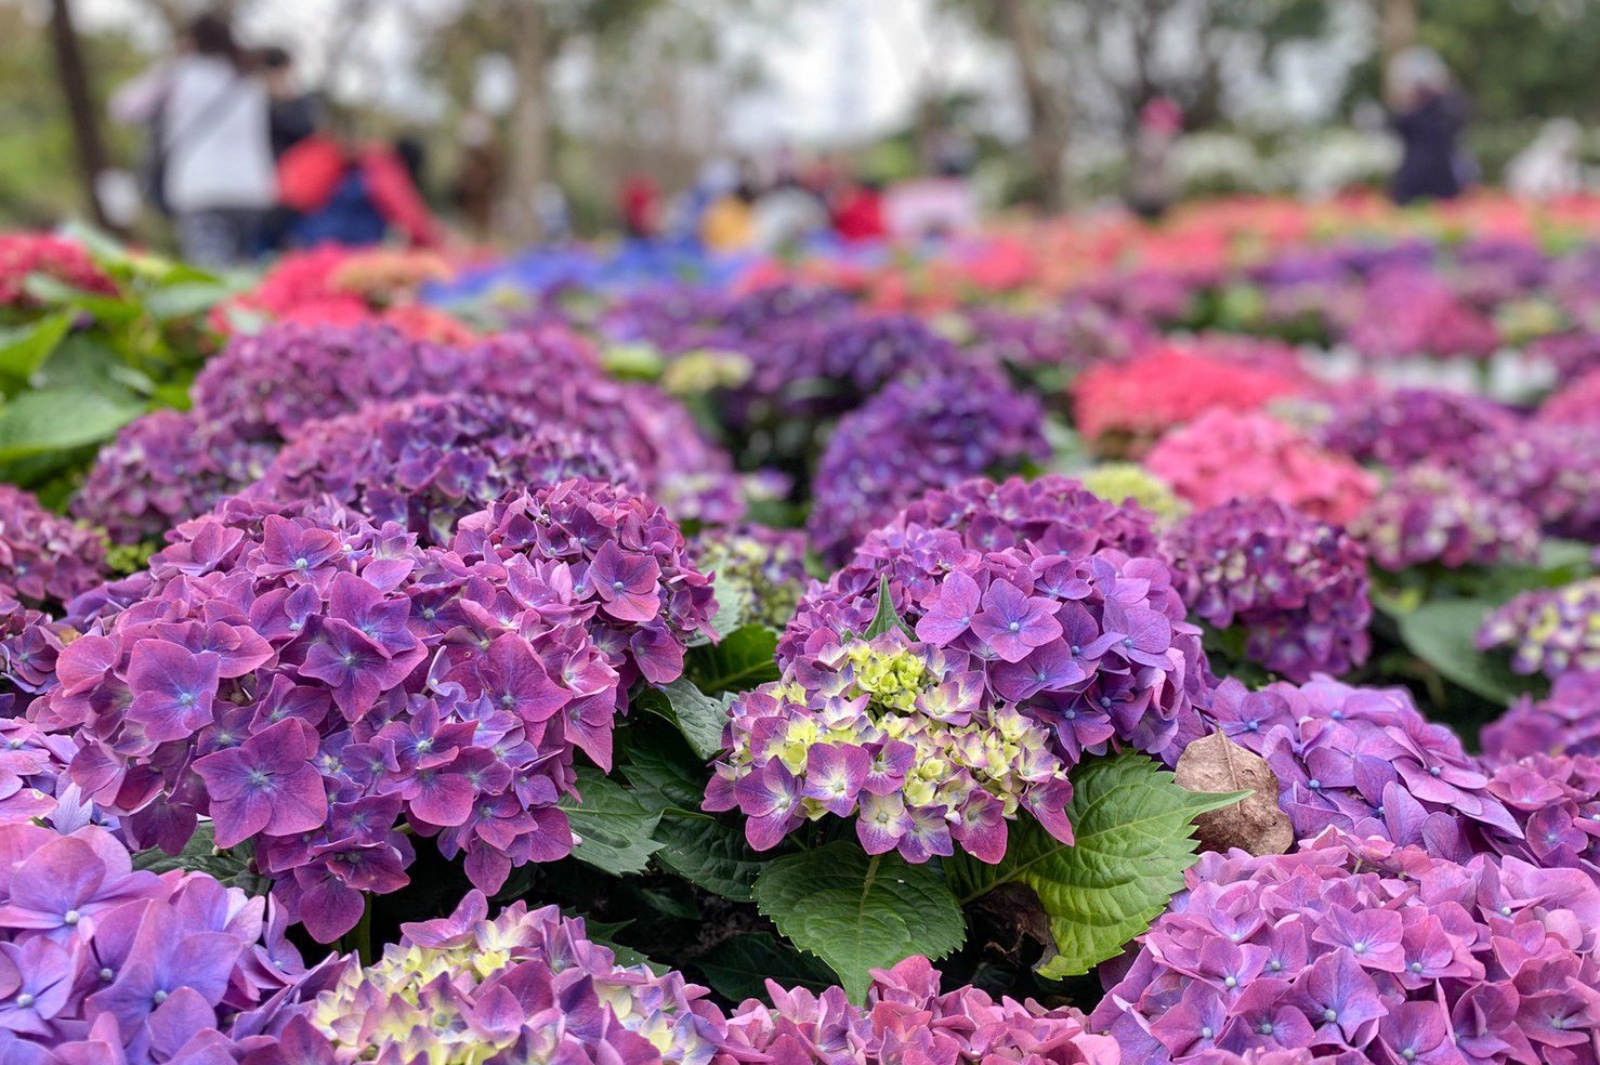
<point x="858" y="212"/>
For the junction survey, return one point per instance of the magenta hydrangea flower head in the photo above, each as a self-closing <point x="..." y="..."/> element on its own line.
<point x="162" y="469"/>
<point x="932" y="534"/>
<point x="1549" y="631"/>
<point x="1401" y="427"/>
<point x="45" y="559"/>
<point x="304" y="679"/>
<point x="33" y="776"/>
<point x="763" y="567"/>
<point x="1552" y="469"/>
<point x="1429" y="514"/>
<point x="1295" y="586"/>
<point x="1093" y="648"/>
<point x="1364" y="760"/>
<point x="99" y="962"/>
<point x="915" y="435"/>
<point x="612" y="557"/>
<point x="1556" y="804"/>
<point x="425" y="463"/>
<point x="1566" y="722"/>
<point x="908" y="1017"/>
<point x="898" y="734"/>
<point x="1358" y="950"/>
<point x="525" y="986"/>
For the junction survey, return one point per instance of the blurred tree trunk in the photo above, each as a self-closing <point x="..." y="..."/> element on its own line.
<point x="74" y="78"/>
<point x="1049" y="113"/>
<point x="1398" y="22"/>
<point x="529" y="164"/>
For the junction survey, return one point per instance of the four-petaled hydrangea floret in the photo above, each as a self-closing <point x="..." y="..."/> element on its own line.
<point x="898" y="734"/>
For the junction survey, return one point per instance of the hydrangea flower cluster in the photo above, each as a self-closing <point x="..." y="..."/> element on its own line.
<point x="1567" y="721"/>
<point x="23" y="255"/>
<point x="1550" y="631"/>
<point x="45" y="560"/>
<point x="1092" y="647"/>
<point x="1358" y="951"/>
<point x="1552" y="469"/>
<point x="1365" y="761"/>
<point x="1576" y="403"/>
<point x="1121" y="408"/>
<point x="1556" y="803"/>
<point x="287" y="674"/>
<point x="102" y="963"/>
<point x="609" y="559"/>
<point x="33" y="775"/>
<point x="1225" y="455"/>
<point x="1405" y="312"/>
<point x="164" y="468"/>
<point x="1128" y="481"/>
<point x="1432" y="515"/>
<point x="525" y="986"/>
<point x="1295" y="586"/>
<point x="945" y="529"/>
<point x="1067" y="338"/>
<point x="1401" y="426"/>
<point x="916" y="435"/>
<point x="426" y="463"/>
<point x="762" y="567"/>
<point x="898" y="734"/>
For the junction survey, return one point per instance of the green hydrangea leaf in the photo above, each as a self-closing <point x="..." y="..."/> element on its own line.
<point x="740" y="966"/>
<point x="742" y="660"/>
<point x="616" y="832"/>
<point x="1444" y="634"/>
<point x="698" y="716"/>
<point x="859" y="912"/>
<point x="887" y="617"/>
<point x="1134" y="839"/>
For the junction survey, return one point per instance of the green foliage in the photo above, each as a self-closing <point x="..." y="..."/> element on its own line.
<point x="1134" y="839"/>
<point x="1444" y="634"/>
<point x="200" y="855"/>
<point x="740" y="966"/>
<point x="615" y="830"/>
<point x="694" y="713"/>
<point x="887" y="618"/>
<point x="859" y="912"/>
<point x="741" y="660"/>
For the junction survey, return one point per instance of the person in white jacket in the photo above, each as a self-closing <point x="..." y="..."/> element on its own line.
<point x="211" y="116"/>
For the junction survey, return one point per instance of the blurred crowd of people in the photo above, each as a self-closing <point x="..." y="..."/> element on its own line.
<point x="243" y="161"/>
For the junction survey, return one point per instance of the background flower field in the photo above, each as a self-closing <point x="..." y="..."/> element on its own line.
<point x="1079" y="642"/>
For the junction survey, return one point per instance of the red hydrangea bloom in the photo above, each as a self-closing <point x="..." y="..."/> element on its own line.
<point x="1296" y="587"/>
<point x="23" y="255"/>
<point x="1364" y="760"/>
<point x="1121" y="408"/>
<point x="1357" y="950"/>
<point x="1225" y="455"/>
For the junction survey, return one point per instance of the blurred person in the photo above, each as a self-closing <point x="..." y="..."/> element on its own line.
<point x="640" y="207"/>
<point x="292" y="113"/>
<point x="729" y="223"/>
<point x="1428" y="116"/>
<point x="1550" y="167"/>
<point x="211" y="164"/>
<point x="787" y="215"/>
<point x="478" y="174"/>
<point x="352" y="195"/>
<point x="1151" y="186"/>
<point x="858" y="212"/>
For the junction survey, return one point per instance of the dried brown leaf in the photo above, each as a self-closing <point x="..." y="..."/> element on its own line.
<point x="1215" y="763"/>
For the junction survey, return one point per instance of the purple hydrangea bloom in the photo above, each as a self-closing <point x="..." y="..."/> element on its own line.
<point x="1402" y="426"/>
<point x="1295" y="586"/>
<point x="45" y="559"/>
<point x="1358" y="950"/>
<point x="309" y="682"/>
<point x="1364" y="760"/>
<point x="609" y="557"/>
<point x="926" y="539"/>
<point x="1553" y="470"/>
<point x="102" y="963"/>
<point x="1057" y="341"/>
<point x="1556" y="803"/>
<point x="1093" y="647"/>
<point x="916" y="435"/>
<point x="425" y="463"/>
<point x="1549" y="631"/>
<point x="1565" y="722"/>
<point x="900" y="734"/>
<point x="1432" y="515"/>
<point x="763" y="567"/>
